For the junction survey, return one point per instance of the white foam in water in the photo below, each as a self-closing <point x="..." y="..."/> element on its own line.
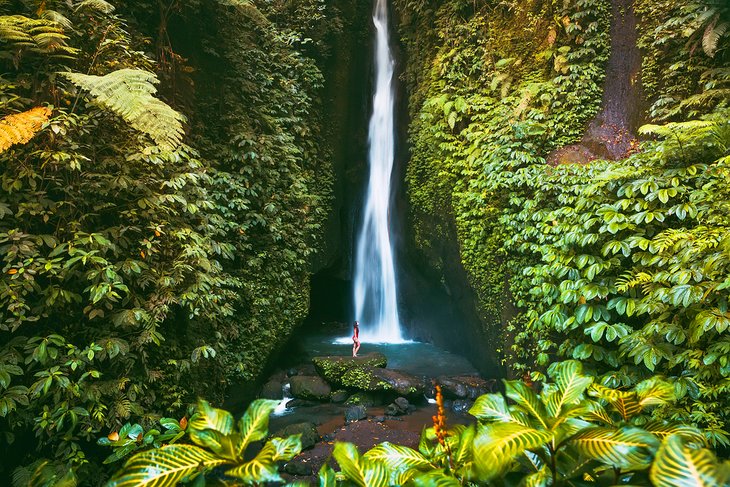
<point x="281" y="408"/>
<point x="374" y="287"/>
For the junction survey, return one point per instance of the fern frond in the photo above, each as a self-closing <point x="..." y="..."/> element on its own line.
<point x="711" y="37"/>
<point x="128" y="93"/>
<point x="19" y="128"/>
<point x="42" y="36"/>
<point x="58" y="18"/>
<point x="99" y="5"/>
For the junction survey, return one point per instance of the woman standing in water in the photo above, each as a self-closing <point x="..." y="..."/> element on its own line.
<point x="356" y="339"/>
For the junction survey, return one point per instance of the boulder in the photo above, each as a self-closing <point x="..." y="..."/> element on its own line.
<point x="271" y="390"/>
<point x="309" y="433"/>
<point x="461" y="406"/>
<point x="355" y="413"/>
<point x="332" y="368"/>
<point x="366" y="399"/>
<point x="377" y="379"/>
<point x="398" y="407"/>
<point x="299" y="403"/>
<point x="465" y="386"/>
<point x="310" y="387"/>
<point x="299" y="467"/>
<point x="339" y="396"/>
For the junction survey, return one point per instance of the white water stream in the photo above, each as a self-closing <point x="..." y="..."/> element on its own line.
<point x="375" y="297"/>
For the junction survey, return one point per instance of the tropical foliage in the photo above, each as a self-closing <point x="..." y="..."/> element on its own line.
<point x="139" y="272"/>
<point x="576" y="431"/>
<point x="218" y="444"/>
<point x="621" y="264"/>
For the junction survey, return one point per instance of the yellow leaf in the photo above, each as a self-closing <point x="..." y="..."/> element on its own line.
<point x="19" y="128"/>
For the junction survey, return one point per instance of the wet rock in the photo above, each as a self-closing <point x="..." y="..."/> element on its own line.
<point x="377" y="379"/>
<point x="298" y="403"/>
<point x="310" y="387"/>
<point x="465" y="387"/>
<point x="332" y="368"/>
<point x="366" y="399"/>
<point x="339" y="396"/>
<point x="298" y="467"/>
<point x="308" y="431"/>
<point x="379" y="419"/>
<point x="292" y="372"/>
<point x="461" y="406"/>
<point x="271" y="390"/>
<point x="355" y="413"/>
<point x="402" y="404"/>
<point x="392" y="410"/>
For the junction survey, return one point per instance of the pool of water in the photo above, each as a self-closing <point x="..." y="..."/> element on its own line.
<point x="412" y="357"/>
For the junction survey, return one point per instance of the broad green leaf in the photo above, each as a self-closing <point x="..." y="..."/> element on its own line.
<point x="254" y="424"/>
<point x="627" y="448"/>
<point x="210" y="418"/>
<point x="625" y="402"/>
<point x="359" y="471"/>
<point x="664" y="429"/>
<point x="526" y="399"/>
<point x="571" y="385"/>
<point x="496" y="445"/>
<point x="165" y="466"/>
<point x="435" y="478"/>
<point x="262" y="468"/>
<point x="654" y="391"/>
<point x="397" y="457"/>
<point x="678" y="464"/>
<point x="491" y="407"/>
<point x="327" y="476"/>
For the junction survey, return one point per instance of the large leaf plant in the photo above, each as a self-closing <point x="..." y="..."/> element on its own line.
<point x="219" y="450"/>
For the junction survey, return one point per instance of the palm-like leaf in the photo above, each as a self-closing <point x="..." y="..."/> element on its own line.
<point x="678" y="464"/>
<point x="128" y="93"/>
<point x="654" y="392"/>
<point x="496" y="445"/>
<point x="627" y="448"/>
<point x="165" y="466"/>
<point x="19" y="128"/>
<point x="254" y="424"/>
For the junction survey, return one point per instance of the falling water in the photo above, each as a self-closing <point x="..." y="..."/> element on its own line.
<point x="375" y="290"/>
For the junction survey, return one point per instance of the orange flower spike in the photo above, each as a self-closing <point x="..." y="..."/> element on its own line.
<point x="183" y="423"/>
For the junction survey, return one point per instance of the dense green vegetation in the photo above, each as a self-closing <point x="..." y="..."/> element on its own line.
<point x="621" y="264"/>
<point x="154" y="246"/>
<point x="166" y="176"/>
<point x="579" y="432"/>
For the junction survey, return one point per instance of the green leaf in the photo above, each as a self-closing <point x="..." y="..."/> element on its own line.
<point x="163" y="467"/>
<point x="571" y="384"/>
<point x="263" y="468"/>
<point x="396" y="457"/>
<point x="327" y="477"/>
<point x="361" y="473"/>
<point x="526" y="399"/>
<point x="627" y="448"/>
<point x="496" y="445"/>
<point x="491" y="407"/>
<point x="210" y="418"/>
<point x="254" y="424"/>
<point x="678" y="464"/>
<point x="435" y="478"/>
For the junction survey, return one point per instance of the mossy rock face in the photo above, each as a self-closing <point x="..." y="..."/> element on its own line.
<point x="310" y="387"/>
<point x="332" y="368"/>
<point x="374" y="379"/>
<point x="366" y="399"/>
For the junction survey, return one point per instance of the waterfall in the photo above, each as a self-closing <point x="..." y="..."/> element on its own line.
<point x="375" y="288"/>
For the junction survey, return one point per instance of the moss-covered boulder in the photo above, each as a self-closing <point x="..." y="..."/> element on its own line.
<point x="310" y="387"/>
<point x="378" y="379"/>
<point x="332" y="368"/>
